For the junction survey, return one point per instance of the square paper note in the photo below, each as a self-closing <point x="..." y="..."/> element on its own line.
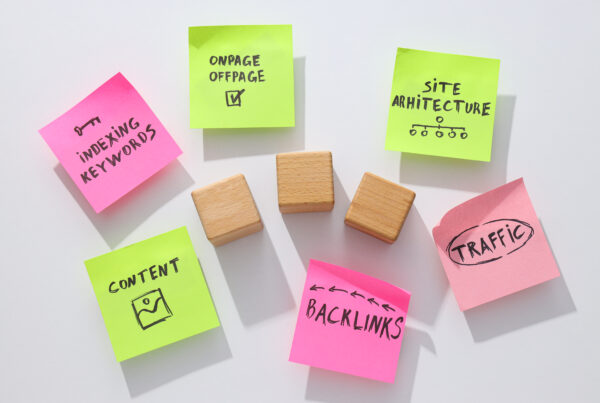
<point x="443" y="104"/>
<point x="493" y="245"/>
<point x="349" y="322"/>
<point x="110" y="142"/>
<point x="241" y="76"/>
<point x="152" y="293"/>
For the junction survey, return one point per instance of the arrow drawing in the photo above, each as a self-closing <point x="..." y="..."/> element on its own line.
<point x="387" y="307"/>
<point x="356" y="294"/>
<point x="372" y="301"/>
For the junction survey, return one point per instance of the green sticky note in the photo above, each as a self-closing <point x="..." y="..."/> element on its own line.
<point x="241" y="76"/>
<point x="152" y="293"/>
<point x="443" y="104"/>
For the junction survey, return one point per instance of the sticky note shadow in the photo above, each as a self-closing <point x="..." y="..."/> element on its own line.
<point x="452" y="173"/>
<point x="121" y="218"/>
<point x="524" y="308"/>
<point x="329" y="386"/>
<point x="230" y="143"/>
<point x="411" y="263"/>
<point x="151" y="370"/>
<point x="255" y="278"/>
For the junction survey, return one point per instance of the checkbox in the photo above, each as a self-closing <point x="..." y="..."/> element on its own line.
<point x="233" y="98"/>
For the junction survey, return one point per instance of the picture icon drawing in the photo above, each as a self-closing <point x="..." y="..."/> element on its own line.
<point x="151" y="308"/>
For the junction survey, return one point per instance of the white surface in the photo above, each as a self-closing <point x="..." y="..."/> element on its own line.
<point x="540" y="345"/>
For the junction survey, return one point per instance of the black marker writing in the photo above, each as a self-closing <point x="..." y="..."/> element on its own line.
<point x="387" y="326"/>
<point x="148" y="274"/>
<point x="236" y="76"/>
<point x="438" y="104"/>
<point x="235" y="60"/>
<point x="489" y="241"/>
<point x="125" y="139"/>
<point x="445" y="88"/>
<point x="442" y="84"/>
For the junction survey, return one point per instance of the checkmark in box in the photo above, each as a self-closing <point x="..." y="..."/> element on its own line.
<point x="233" y="98"/>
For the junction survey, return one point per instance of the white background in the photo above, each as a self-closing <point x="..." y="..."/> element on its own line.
<point x="540" y="345"/>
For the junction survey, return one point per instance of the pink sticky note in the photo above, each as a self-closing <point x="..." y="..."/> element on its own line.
<point x="349" y="322"/>
<point x="493" y="245"/>
<point x="110" y="142"/>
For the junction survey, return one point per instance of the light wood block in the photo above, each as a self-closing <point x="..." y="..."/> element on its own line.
<point x="379" y="207"/>
<point x="227" y="210"/>
<point x="305" y="181"/>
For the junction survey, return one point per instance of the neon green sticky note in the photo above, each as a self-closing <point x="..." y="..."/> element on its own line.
<point x="443" y="104"/>
<point x="152" y="293"/>
<point x="241" y="76"/>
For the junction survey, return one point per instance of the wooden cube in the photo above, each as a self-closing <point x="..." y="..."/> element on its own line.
<point x="379" y="207"/>
<point x="227" y="210"/>
<point x="305" y="182"/>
